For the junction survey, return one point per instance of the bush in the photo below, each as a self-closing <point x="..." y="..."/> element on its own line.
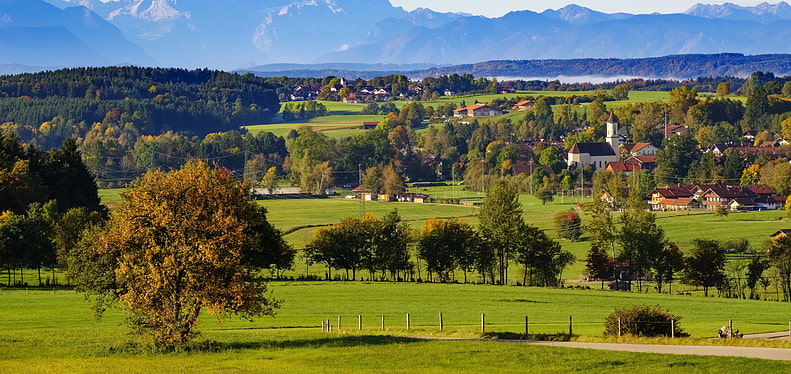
<point x="642" y="321"/>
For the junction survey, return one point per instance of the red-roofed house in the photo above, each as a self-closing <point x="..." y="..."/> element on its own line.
<point x="477" y="110"/>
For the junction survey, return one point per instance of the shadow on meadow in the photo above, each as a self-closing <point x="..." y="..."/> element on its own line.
<point x="135" y="348"/>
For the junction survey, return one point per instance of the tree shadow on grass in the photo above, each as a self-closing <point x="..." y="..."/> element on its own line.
<point x="340" y="342"/>
<point x="136" y="348"/>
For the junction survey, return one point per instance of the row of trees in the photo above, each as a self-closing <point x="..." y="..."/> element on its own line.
<point x="444" y="246"/>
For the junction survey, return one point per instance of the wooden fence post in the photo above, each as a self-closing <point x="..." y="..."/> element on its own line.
<point x="672" y="329"/>
<point x="359" y="322"/>
<point x="323" y="326"/>
<point x="441" y="322"/>
<point x="339" y="324"/>
<point x="527" y="325"/>
<point x="730" y="329"/>
<point x="383" y="322"/>
<point x="571" y="331"/>
<point x="329" y="327"/>
<point x="619" y="326"/>
<point x="407" y="322"/>
<point x="483" y="323"/>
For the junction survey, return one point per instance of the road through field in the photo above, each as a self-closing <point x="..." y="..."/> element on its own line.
<point x="779" y="354"/>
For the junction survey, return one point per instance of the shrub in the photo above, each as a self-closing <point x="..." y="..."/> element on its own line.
<point x="642" y="321"/>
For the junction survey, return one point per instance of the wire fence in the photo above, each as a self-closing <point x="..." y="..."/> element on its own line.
<point x="527" y="328"/>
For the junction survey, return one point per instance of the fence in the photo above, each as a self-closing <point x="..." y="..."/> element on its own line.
<point x="726" y="331"/>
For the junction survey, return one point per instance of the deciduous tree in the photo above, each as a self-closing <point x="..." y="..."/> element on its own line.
<point x="179" y="243"/>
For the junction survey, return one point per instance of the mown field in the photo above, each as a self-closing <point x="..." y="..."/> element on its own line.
<point x="46" y="332"/>
<point x="53" y="331"/>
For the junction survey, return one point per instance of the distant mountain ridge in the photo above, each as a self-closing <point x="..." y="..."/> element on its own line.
<point x="232" y="34"/>
<point x="669" y="67"/>
<point x="33" y="32"/>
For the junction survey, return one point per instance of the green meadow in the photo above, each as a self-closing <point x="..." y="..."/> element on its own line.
<point x="46" y="332"/>
<point x="53" y="331"/>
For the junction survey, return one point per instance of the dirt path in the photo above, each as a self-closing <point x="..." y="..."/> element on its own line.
<point x="779" y="354"/>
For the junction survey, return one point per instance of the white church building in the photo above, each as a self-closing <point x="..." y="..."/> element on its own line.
<point x="597" y="154"/>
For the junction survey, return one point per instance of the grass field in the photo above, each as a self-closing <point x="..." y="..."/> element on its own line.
<point x="42" y="332"/>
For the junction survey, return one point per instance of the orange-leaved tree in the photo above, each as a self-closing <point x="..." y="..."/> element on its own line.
<point x="180" y="242"/>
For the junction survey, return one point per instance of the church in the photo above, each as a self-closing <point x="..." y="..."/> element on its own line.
<point x="597" y="154"/>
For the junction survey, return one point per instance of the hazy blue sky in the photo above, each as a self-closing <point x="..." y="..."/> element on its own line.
<point x="497" y="8"/>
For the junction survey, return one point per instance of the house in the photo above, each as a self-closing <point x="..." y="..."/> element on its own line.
<point x="671" y="130"/>
<point x="675" y="205"/>
<point x="528" y="168"/>
<point x="672" y="193"/>
<point x="477" y="110"/>
<point x="625" y="167"/>
<point x="645" y="162"/>
<point x="524" y="105"/>
<point x="370" y="125"/>
<point x="640" y="149"/>
<point x="411" y="197"/>
<point x="507" y="90"/>
<point x="780" y="234"/>
<point x="352" y="100"/>
<point x="448" y="92"/>
<point x="597" y="154"/>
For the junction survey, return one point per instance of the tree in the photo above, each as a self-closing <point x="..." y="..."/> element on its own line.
<point x="553" y="157"/>
<point x="269" y="181"/>
<point x="779" y="255"/>
<point x="705" y="265"/>
<point x="755" y="271"/>
<point x="499" y="223"/>
<point x="723" y="89"/>
<point x="621" y="91"/>
<point x="446" y="245"/>
<point x="666" y="264"/>
<point x="180" y="242"/>
<point x="674" y="161"/>
<point x="391" y="246"/>
<point x="721" y="211"/>
<point x="568" y="225"/>
<point x="598" y="264"/>
<point x="392" y="183"/>
<point x="542" y="258"/>
<point x="640" y="237"/>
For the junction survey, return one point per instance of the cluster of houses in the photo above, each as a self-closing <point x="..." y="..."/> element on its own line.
<point x="711" y="196"/>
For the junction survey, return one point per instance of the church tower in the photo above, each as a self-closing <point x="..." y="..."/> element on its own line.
<point x="612" y="132"/>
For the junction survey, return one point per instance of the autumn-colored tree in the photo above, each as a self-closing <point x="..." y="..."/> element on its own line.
<point x="179" y="243"/>
<point x="446" y="245"/>
<point x="269" y="181"/>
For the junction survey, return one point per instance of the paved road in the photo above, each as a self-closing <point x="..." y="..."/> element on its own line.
<point x="780" y="354"/>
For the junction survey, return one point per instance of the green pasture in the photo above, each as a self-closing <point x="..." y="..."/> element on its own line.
<point x="46" y="332"/>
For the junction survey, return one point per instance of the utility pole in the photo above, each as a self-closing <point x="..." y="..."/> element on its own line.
<point x="362" y="197"/>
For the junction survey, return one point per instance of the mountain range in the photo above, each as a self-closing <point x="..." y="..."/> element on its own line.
<point x="235" y="34"/>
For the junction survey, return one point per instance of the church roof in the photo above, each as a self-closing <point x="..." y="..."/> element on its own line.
<point x="593" y="149"/>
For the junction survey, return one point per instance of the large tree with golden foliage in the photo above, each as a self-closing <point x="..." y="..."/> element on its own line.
<point x="178" y="243"/>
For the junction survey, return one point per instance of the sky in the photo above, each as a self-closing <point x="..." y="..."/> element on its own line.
<point x="497" y="8"/>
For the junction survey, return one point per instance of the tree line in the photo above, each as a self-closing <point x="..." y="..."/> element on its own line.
<point x="443" y="247"/>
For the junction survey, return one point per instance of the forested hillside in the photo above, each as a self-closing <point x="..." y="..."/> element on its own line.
<point x="109" y="110"/>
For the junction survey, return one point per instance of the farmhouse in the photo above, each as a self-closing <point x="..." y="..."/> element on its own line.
<point x="640" y="149"/>
<point x="477" y="110"/>
<point x="524" y="105"/>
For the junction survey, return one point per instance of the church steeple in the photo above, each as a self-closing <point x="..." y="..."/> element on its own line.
<point x="612" y="132"/>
